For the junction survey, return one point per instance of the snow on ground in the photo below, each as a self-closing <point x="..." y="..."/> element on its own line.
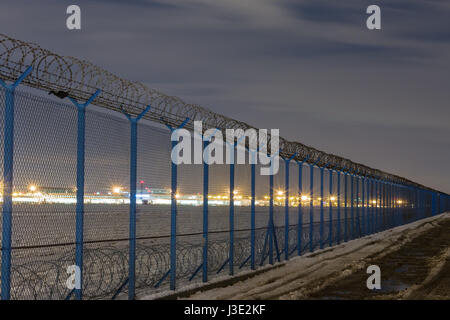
<point x="300" y="276"/>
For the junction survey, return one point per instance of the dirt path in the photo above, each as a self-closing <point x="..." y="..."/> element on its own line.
<point x="420" y="269"/>
<point x="414" y="260"/>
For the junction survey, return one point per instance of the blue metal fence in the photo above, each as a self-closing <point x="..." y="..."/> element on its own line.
<point x="132" y="246"/>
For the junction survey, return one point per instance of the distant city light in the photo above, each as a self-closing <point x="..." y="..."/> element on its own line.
<point x="305" y="198"/>
<point x="333" y="198"/>
<point x="280" y="193"/>
<point x="117" y="189"/>
<point x="32" y="188"/>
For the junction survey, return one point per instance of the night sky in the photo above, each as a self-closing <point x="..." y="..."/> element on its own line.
<point x="308" y="67"/>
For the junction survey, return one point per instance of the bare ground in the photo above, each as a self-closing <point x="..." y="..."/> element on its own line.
<point x="414" y="260"/>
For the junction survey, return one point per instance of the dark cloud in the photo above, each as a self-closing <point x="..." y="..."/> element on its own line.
<point x="321" y="11"/>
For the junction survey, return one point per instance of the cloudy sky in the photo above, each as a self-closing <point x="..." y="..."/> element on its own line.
<point x="308" y="67"/>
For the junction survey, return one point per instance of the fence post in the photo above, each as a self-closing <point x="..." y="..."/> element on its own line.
<point x="345" y="208"/>
<point x="231" y="249"/>
<point x="271" y="225"/>
<point x="433" y="203"/>
<point x="338" y="236"/>
<point x="374" y="205"/>
<point x="396" y="205"/>
<point x="79" y="218"/>
<point x="330" y="223"/>
<point x="205" y="215"/>
<point x="253" y="207"/>
<point x="363" y="207"/>
<point x="383" y="195"/>
<point x="393" y="205"/>
<point x="133" y="182"/>
<point x="372" y="212"/>
<point x="8" y="164"/>
<point x="173" y="208"/>
<point x="311" y="204"/>
<point x="352" y="214"/>
<point x="369" y="204"/>
<point x="300" y="212"/>
<point x="321" y="207"/>
<point x="389" y="201"/>
<point x="379" y="205"/>
<point x="173" y="221"/>
<point x="357" y="203"/>
<point x="286" y="208"/>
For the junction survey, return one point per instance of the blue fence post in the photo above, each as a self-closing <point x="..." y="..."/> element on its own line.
<point x="374" y="204"/>
<point x="383" y="204"/>
<point x="392" y="200"/>
<point x="321" y="207"/>
<point x="401" y="204"/>
<point x="330" y="222"/>
<point x="311" y="205"/>
<point x="345" y="208"/>
<point x="391" y="215"/>
<point x="363" y="206"/>
<point x="231" y="248"/>
<point x="357" y="205"/>
<point x="389" y="201"/>
<point x="8" y="164"/>
<point x="252" y="218"/>
<point x="433" y="204"/>
<point x="399" y="197"/>
<point x="79" y="218"/>
<point x="379" y="205"/>
<point x="133" y="182"/>
<point x="386" y="203"/>
<point x="173" y="220"/>
<point x="271" y="225"/>
<point x="300" y="211"/>
<point x="352" y="214"/>
<point x="338" y="236"/>
<point x="205" y="216"/>
<point x="370" y="198"/>
<point x="396" y="204"/>
<point x="369" y="208"/>
<point x="286" y="207"/>
<point x="252" y="213"/>
<point x="173" y="208"/>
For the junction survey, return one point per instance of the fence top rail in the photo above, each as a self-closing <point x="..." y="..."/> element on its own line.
<point x="79" y="79"/>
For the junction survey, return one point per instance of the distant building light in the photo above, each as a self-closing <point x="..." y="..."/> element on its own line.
<point x="117" y="189"/>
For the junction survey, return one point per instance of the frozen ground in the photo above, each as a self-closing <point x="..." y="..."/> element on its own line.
<point x="414" y="262"/>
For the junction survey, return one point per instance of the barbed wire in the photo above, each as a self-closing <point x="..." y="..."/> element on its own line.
<point x="80" y="79"/>
<point x="106" y="267"/>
